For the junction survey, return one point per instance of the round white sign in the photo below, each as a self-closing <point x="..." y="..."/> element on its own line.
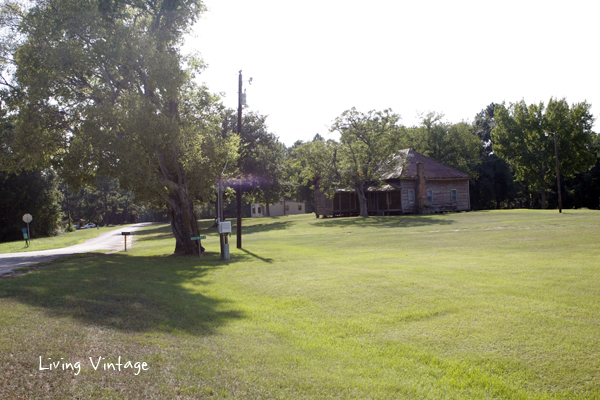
<point x="27" y="218"/>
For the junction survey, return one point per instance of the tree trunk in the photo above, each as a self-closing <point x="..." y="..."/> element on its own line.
<point x="267" y="210"/>
<point x="543" y="198"/>
<point x="126" y="211"/>
<point x="362" y="201"/>
<point x="317" y="189"/>
<point x="180" y="207"/>
<point x="106" y="208"/>
<point x="543" y="187"/>
<point x="183" y="221"/>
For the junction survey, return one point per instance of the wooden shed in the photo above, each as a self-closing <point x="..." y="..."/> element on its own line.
<point x="419" y="186"/>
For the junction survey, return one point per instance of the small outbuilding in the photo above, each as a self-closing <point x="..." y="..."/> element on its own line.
<point x="284" y="207"/>
<point x="419" y="186"/>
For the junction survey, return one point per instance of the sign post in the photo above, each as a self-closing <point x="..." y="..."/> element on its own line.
<point x="25" y="236"/>
<point x="199" y="239"/>
<point x="27" y="218"/>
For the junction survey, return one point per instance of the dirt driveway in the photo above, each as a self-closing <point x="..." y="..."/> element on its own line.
<point x="109" y="241"/>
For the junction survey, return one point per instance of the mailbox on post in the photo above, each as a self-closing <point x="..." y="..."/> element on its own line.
<point x="225" y="227"/>
<point x="125" y="234"/>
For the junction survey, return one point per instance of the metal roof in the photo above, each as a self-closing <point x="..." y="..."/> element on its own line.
<point x="432" y="169"/>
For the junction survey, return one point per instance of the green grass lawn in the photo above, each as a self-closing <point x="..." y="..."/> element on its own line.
<point x="55" y="242"/>
<point x="480" y="305"/>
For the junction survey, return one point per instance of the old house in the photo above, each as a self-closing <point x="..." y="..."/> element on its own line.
<point x="419" y="186"/>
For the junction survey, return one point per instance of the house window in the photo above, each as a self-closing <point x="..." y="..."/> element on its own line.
<point x="411" y="196"/>
<point x="430" y="196"/>
<point x="299" y="207"/>
<point x="287" y="208"/>
<point x="253" y="210"/>
<point x="259" y="210"/>
<point x="454" y="196"/>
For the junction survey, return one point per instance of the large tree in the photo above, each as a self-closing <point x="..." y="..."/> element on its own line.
<point x="492" y="183"/>
<point x="584" y="189"/>
<point x="102" y="88"/>
<point x="261" y="158"/>
<point x="454" y="145"/>
<point x="519" y="137"/>
<point x="368" y="149"/>
<point x="310" y="165"/>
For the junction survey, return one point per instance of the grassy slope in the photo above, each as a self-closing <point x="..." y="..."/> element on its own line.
<point x="66" y="239"/>
<point x="473" y="305"/>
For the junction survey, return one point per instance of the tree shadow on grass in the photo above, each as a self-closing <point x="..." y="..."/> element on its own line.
<point x="164" y="231"/>
<point x="250" y="226"/>
<point x="247" y="255"/>
<point x="396" y="221"/>
<point x="156" y="228"/>
<point x="137" y="294"/>
<point x="269" y="224"/>
<point x="161" y="228"/>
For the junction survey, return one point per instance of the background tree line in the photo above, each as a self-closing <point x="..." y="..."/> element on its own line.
<point x="499" y="165"/>
<point x="95" y="95"/>
<point x="504" y="149"/>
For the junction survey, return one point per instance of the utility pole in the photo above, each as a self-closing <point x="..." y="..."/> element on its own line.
<point x="220" y="213"/>
<point x="239" y="190"/>
<point x="557" y="170"/>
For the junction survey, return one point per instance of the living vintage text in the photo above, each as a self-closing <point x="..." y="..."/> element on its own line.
<point x="98" y="364"/>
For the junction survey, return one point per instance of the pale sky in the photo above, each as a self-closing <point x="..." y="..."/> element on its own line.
<point x="312" y="60"/>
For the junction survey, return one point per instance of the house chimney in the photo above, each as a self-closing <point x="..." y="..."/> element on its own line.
<point x="422" y="201"/>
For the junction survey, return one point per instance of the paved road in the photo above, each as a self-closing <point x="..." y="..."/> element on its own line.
<point x="110" y="241"/>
